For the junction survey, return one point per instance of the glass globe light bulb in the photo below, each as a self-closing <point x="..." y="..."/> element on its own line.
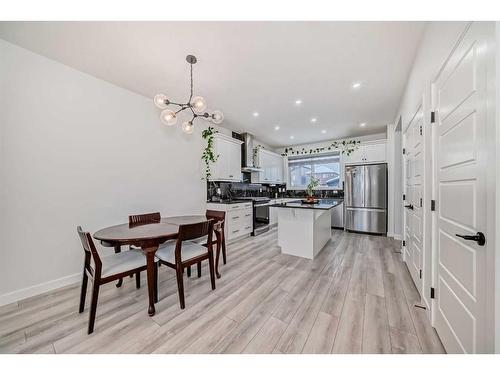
<point x="168" y="117"/>
<point x="187" y="127"/>
<point x="198" y="104"/>
<point x="160" y="101"/>
<point x="217" y="117"/>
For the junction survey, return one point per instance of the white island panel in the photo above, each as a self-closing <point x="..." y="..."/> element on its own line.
<point x="303" y="232"/>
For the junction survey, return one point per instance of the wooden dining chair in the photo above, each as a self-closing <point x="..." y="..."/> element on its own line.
<point x="142" y="219"/>
<point x="218" y="218"/>
<point x="183" y="252"/>
<point x="106" y="269"/>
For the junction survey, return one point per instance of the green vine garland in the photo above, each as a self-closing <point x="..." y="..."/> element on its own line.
<point x="346" y="147"/>
<point x="208" y="155"/>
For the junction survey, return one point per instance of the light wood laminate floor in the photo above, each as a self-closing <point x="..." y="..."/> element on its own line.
<point x="355" y="297"/>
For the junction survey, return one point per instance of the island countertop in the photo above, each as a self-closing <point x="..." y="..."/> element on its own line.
<point x="324" y="204"/>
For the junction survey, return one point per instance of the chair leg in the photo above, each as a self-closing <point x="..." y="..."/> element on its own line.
<point x="199" y="269"/>
<point x="217" y="256"/>
<point x="180" y="285"/>
<point x="118" y="249"/>
<point x="189" y="271"/>
<point x="156" y="281"/>
<point x="93" y="306"/>
<point x="138" y="280"/>
<point x="83" y="293"/>
<point x="211" y="267"/>
<point x="224" y="250"/>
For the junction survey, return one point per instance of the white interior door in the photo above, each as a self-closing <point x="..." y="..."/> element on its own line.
<point x="461" y="153"/>
<point x="413" y="143"/>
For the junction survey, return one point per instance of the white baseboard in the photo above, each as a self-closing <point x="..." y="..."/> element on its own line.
<point x="34" y="290"/>
<point x="395" y="236"/>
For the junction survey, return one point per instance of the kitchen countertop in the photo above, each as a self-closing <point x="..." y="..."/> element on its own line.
<point x="326" y="204"/>
<point x="233" y="201"/>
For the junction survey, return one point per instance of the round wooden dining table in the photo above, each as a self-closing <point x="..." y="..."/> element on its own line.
<point x="148" y="237"/>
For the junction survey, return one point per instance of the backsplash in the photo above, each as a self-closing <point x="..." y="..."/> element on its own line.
<point x="233" y="190"/>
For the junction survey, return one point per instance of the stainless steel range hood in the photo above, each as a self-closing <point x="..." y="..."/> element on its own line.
<point x="247" y="154"/>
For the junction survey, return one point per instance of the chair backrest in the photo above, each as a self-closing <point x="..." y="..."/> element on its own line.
<point x="90" y="251"/>
<point x="215" y="215"/>
<point x="154" y="217"/>
<point x="192" y="231"/>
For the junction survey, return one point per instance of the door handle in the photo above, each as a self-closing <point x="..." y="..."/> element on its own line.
<point x="410" y="206"/>
<point x="479" y="238"/>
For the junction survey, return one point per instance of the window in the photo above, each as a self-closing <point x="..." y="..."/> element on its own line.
<point x="326" y="168"/>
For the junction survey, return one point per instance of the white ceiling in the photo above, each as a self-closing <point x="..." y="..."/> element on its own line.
<point x="246" y="67"/>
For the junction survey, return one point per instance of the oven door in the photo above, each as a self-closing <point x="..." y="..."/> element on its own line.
<point x="260" y="217"/>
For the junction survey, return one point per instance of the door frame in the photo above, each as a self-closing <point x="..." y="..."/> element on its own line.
<point x="491" y="187"/>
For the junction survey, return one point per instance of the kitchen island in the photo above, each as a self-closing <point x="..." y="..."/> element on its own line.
<point x="304" y="229"/>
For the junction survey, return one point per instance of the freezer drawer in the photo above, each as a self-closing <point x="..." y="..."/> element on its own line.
<point x="366" y="220"/>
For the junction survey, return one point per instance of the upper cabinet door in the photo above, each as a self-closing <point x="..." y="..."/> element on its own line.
<point x="272" y="168"/>
<point x="228" y="164"/>
<point x="357" y="156"/>
<point x="368" y="153"/>
<point x="234" y="161"/>
<point x="375" y="152"/>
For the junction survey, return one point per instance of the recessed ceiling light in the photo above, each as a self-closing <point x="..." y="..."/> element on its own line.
<point x="277" y="127"/>
<point x="356" y="85"/>
<point x="292" y="137"/>
<point x="255" y="114"/>
<point x="363" y="124"/>
<point x="314" y="119"/>
<point x="323" y="131"/>
<point x="298" y="101"/>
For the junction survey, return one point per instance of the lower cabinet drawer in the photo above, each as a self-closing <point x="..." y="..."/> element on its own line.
<point x="239" y="227"/>
<point x="234" y="216"/>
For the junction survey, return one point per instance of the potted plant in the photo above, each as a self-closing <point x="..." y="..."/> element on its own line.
<point x="313" y="183"/>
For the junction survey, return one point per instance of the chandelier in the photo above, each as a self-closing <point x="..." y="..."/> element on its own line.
<point x="196" y="104"/>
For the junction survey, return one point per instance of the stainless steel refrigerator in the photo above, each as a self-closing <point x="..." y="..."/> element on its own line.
<point x="366" y="198"/>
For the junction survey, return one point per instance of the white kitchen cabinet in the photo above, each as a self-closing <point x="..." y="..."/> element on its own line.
<point x="370" y="152"/>
<point x="239" y="218"/>
<point x="228" y="165"/>
<point x="272" y="165"/>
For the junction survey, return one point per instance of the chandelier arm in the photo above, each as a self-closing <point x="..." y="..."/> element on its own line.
<point x="191" y="85"/>
<point x="177" y="104"/>
<point x="180" y="110"/>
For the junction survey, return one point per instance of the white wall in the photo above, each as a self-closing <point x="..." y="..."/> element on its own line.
<point x="76" y="150"/>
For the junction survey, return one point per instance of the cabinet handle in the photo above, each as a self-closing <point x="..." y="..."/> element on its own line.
<point x="236" y="206"/>
<point x="236" y="231"/>
<point x="247" y="227"/>
<point x="247" y="215"/>
<point x="236" y="217"/>
<point x="230" y="175"/>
